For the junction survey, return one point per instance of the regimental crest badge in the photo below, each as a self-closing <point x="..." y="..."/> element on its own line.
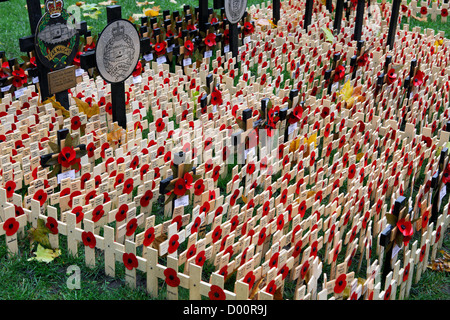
<point x="117" y="52"/>
<point x="56" y="40"/>
<point x="235" y="9"/>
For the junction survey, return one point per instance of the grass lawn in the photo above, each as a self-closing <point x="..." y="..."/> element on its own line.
<point x="25" y="280"/>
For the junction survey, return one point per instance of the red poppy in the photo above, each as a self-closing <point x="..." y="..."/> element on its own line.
<point x="88" y="239"/>
<point x="90" y="149"/>
<point x="423" y="10"/>
<point x="304" y="269"/>
<point x="10" y="187"/>
<point x="418" y="78"/>
<point x="146" y="198"/>
<point x="217" y="234"/>
<point x="250" y="279"/>
<point x="262" y="236"/>
<point x="199" y="187"/>
<point x="234" y="197"/>
<point x="67" y="157"/>
<point x="160" y="48"/>
<point x="41" y="196"/>
<point x="405" y="227"/>
<point x="172" y="279"/>
<point x="297" y="249"/>
<point x="444" y="12"/>
<point x="78" y="211"/>
<point x="425" y="219"/>
<point x="128" y="186"/>
<point x="52" y="225"/>
<point x="406" y="272"/>
<point x="248" y="28"/>
<point x="216" y="97"/>
<point x="339" y="73"/>
<point x="18" y="210"/>
<point x="131" y="227"/>
<point x="314" y="246"/>
<point x="189" y="47"/>
<point x="216" y="293"/>
<point x="130" y="261"/>
<point x="75" y="123"/>
<point x="273" y="262"/>
<point x="387" y="294"/>
<point x="97" y="213"/>
<point x="173" y="243"/>
<point x="271" y="287"/>
<point x="210" y="40"/>
<point x="340" y="283"/>
<point x="200" y="258"/>
<point x="11" y="225"/>
<point x="205" y="207"/>
<point x="160" y="125"/>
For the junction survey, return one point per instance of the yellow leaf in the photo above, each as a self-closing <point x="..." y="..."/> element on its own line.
<point x="152" y="12"/>
<point x="65" y="113"/>
<point x="244" y="199"/>
<point x="84" y="107"/>
<point x="45" y="255"/>
<point x="115" y="135"/>
<point x="346" y="91"/>
<point x="310" y="193"/>
<point x="294" y="145"/>
<point x="359" y="156"/>
<point x="40" y="234"/>
<point x="311" y="139"/>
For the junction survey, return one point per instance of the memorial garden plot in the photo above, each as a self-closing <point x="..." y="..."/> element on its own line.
<point x="299" y="154"/>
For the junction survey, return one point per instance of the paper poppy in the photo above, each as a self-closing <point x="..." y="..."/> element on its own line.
<point x="18" y="210"/>
<point x="131" y="227"/>
<point x="444" y="12"/>
<point x="418" y="78"/>
<point x="52" y="225"/>
<point x="128" y="186"/>
<point x="78" y="211"/>
<point x="199" y="187"/>
<point x="160" y="48"/>
<point x="10" y="187"/>
<point x="67" y="157"/>
<point x="249" y="279"/>
<point x="340" y="284"/>
<point x="205" y="207"/>
<point x="160" y="125"/>
<point x="171" y="279"/>
<point x="273" y="262"/>
<point x="200" y="258"/>
<point x="10" y="226"/>
<point x="216" y="97"/>
<point x="41" y="196"/>
<point x="304" y="269"/>
<point x="216" y="293"/>
<point x="339" y="73"/>
<point x="130" y="261"/>
<point x="210" y="40"/>
<point x="97" y="213"/>
<point x="88" y="239"/>
<point x="425" y="219"/>
<point x="173" y="243"/>
<point x="234" y="197"/>
<point x="405" y="227"/>
<point x="217" y="234"/>
<point x="262" y="236"/>
<point x="423" y="10"/>
<point x="75" y="123"/>
<point x="146" y="198"/>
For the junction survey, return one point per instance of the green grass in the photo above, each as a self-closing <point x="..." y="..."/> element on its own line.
<point x="24" y="280"/>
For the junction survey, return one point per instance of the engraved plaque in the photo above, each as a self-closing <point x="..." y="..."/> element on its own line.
<point x="117" y="52"/>
<point x="235" y="9"/>
<point x="61" y="80"/>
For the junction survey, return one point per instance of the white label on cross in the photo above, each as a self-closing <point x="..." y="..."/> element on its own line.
<point x="182" y="202"/>
<point x="68" y="174"/>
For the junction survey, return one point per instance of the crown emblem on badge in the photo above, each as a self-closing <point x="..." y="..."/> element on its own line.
<point x="54" y="7"/>
<point x="118" y="31"/>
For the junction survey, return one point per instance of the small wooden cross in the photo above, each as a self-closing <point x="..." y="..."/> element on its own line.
<point x="330" y="73"/>
<point x="56" y="158"/>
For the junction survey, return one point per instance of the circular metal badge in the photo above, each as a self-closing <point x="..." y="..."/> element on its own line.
<point x="117" y="51"/>
<point x="235" y="9"/>
<point x="56" y="37"/>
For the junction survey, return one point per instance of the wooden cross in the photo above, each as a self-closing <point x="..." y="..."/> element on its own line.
<point x="51" y="159"/>
<point x="329" y="74"/>
<point x="387" y="236"/>
<point x="355" y="59"/>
